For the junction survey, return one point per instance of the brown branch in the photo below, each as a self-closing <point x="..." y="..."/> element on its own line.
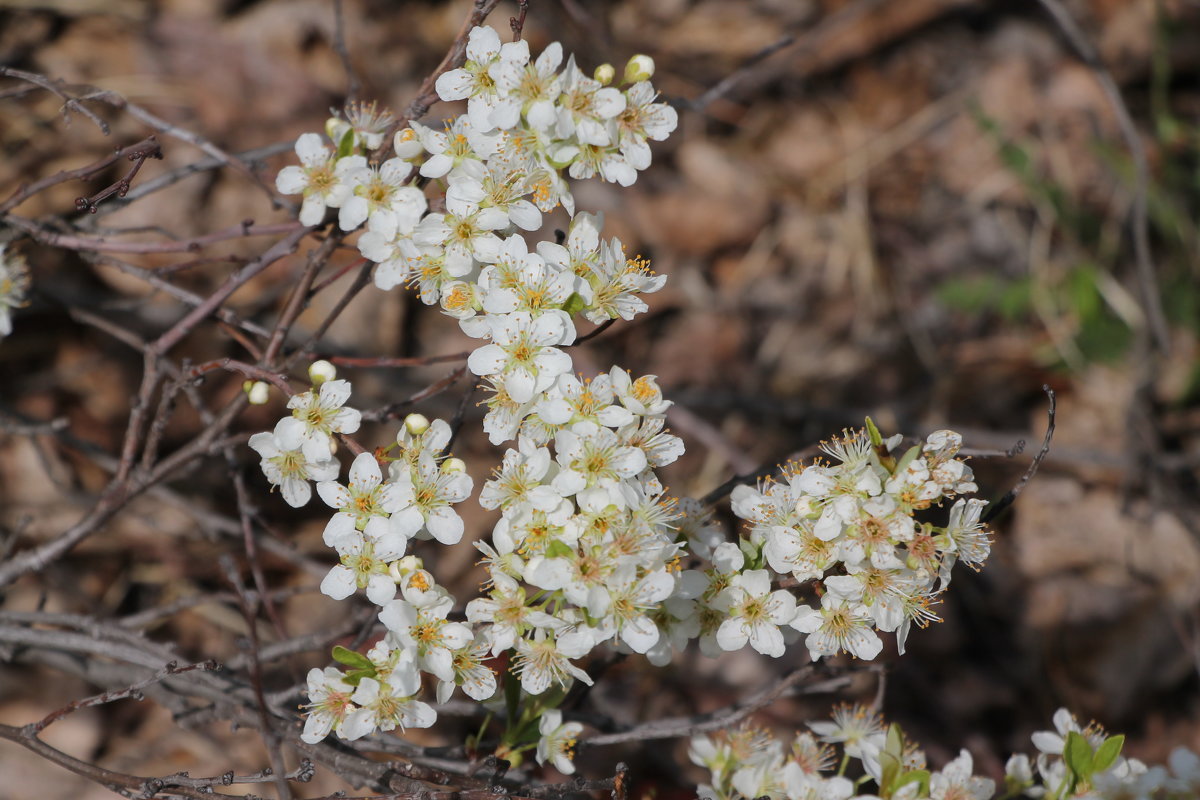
<point x="149" y="149"/>
<point x="517" y="23"/>
<point x="101" y="244"/>
<point x="339" y="46"/>
<point x="134" y="691"/>
<point x="393" y="410"/>
<point x="677" y="727"/>
<point x="427" y="95"/>
<point x="1011" y="495"/>
<point x="26" y="191"/>
<point x="270" y="739"/>
<point x="383" y="362"/>
<point x="122" y="783"/>
<point x="70" y="103"/>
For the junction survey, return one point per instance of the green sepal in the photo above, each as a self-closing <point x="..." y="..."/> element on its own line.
<point x="558" y="549"/>
<point x="344" y="655"/>
<point x="909" y="456"/>
<point x="1106" y="754"/>
<point x="891" y="760"/>
<point x="751" y="553"/>
<point x="873" y="432"/>
<point x="346" y="145"/>
<point x="918" y="776"/>
<point x="1078" y="756"/>
<point x="574" y="304"/>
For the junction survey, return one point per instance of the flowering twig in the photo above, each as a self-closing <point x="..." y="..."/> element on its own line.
<point x="148" y="148"/>
<point x="517" y="23"/>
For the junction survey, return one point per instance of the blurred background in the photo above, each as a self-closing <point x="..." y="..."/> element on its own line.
<point x="914" y="209"/>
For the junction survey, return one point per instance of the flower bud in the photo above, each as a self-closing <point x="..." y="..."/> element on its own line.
<point x="639" y="68"/>
<point x="257" y="392"/>
<point x="416" y="424"/>
<point x="321" y="371"/>
<point x="335" y="129"/>
<point x="406" y="143"/>
<point x="605" y="74"/>
<point x="451" y="465"/>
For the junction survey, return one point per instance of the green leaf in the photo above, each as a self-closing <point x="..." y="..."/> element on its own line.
<point x="907" y="459"/>
<point x="1077" y="754"/>
<point x="873" y="432"/>
<point x="558" y="549"/>
<point x="751" y="553"/>
<point x="891" y="759"/>
<point x="1107" y="752"/>
<point x="512" y="702"/>
<point x="354" y="677"/>
<point x="346" y="145"/>
<point x="574" y="304"/>
<point x="350" y="658"/>
<point x="919" y="776"/>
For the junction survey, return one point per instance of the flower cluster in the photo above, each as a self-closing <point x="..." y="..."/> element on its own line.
<point x="1071" y="762"/>
<point x="14" y="287"/>
<point x="375" y="517"/>
<point x="852" y="525"/>
<point x="589" y="549"/>
<point x="501" y="166"/>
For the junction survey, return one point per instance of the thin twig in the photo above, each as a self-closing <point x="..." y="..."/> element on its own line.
<point x="353" y="87"/>
<point x="135" y="691"/>
<point x="517" y="23"/>
<point x="1011" y="495"/>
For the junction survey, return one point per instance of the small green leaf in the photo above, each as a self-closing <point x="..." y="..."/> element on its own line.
<point x="512" y="702"/>
<point x="1077" y="754"/>
<point x="354" y="677"/>
<point x="558" y="549"/>
<point x="891" y="760"/>
<point x="889" y="767"/>
<point x="1107" y="752"/>
<point x="574" y="304"/>
<point x="906" y="459"/>
<point x="873" y="432"/>
<point x="350" y="658"/>
<point x="918" y="776"/>
<point x="346" y="145"/>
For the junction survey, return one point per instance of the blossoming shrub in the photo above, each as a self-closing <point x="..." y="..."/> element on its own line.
<point x="1070" y="761"/>
<point x="589" y="550"/>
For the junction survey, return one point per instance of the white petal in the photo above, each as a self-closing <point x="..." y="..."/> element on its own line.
<point x="445" y="525"/>
<point x="732" y="635"/>
<point x="334" y="494"/>
<point x="311" y="148"/>
<point x="296" y="492"/>
<point x="291" y="180"/>
<point x="381" y="589"/>
<point x="487" y="360"/>
<point x="339" y="583"/>
<point x="364" y="472"/>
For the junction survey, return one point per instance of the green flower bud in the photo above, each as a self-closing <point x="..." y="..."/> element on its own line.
<point x="639" y="68"/>
<point x="416" y="424"/>
<point x="257" y="392"/>
<point x="321" y="371"/>
<point x="605" y="74"/>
